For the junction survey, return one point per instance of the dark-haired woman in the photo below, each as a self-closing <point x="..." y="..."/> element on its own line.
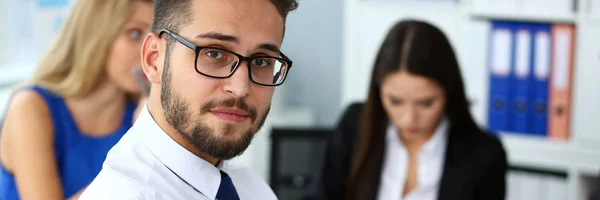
<point x="414" y="138"/>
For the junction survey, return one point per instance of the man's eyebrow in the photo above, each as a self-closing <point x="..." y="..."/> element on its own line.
<point x="218" y="36"/>
<point x="270" y="47"/>
<point x="230" y="38"/>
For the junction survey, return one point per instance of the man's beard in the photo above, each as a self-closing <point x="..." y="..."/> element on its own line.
<point x="198" y="133"/>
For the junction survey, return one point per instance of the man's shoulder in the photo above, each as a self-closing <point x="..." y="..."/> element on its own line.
<point x="112" y="184"/>
<point x="125" y="174"/>
<point x="249" y="183"/>
<point x="126" y="180"/>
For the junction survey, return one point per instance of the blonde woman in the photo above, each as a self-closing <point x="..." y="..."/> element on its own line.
<point x="77" y="105"/>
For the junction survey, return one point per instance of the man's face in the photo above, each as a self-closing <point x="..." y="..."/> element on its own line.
<point x="220" y="116"/>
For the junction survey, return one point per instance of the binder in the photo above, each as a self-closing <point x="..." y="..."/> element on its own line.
<point x="522" y="76"/>
<point x="560" y="81"/>
<point x="500" y="62"/>
<point x="541" y="72"/>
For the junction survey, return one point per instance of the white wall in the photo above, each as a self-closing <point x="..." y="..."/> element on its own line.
<point x="16" y="37"/>
<point x="3" y="30"/>
<point x="313" y="41"/>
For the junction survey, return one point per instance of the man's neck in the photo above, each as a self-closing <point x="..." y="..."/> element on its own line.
<point x="158" y="115"/>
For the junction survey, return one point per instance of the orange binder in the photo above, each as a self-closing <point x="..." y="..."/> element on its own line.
<point x="563" y="40"/>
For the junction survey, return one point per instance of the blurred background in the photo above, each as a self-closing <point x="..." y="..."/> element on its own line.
<point x="333" y="44"/>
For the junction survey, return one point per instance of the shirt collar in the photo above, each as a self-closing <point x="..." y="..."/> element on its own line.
<point x="199" y="173"/>
<point x="435" y="146"/>
<point x="437" y="143"/>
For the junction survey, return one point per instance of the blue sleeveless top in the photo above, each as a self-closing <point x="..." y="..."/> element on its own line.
<point x="79" y="157"/>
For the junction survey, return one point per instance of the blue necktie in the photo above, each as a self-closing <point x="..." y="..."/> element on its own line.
<point x="226" y="189"/>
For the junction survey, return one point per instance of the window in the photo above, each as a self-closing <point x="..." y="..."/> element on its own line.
<point x="27" y="29"/>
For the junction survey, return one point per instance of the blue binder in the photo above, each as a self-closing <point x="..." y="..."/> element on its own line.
<point x="500" y="64"/>
<point x="541" y="70"/>
<point x="522" y="78"/>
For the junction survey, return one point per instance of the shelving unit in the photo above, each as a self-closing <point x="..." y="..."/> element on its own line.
<point x="541" y="153"/>
<point x="503" y="15"/>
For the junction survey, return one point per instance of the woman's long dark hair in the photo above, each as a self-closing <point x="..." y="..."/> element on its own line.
<point x="421" y="49"/>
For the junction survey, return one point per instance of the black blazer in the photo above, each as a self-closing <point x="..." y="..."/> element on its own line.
<point x="475" y="166"/>
<point x="276" y="76"/>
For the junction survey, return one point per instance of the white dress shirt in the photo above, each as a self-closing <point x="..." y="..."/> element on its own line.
<point x="136" y="168"/>
<point x="430" y="165"/>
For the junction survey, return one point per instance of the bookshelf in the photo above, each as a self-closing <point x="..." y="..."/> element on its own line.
<point x="549" y="154"/>
<point x="503" y="15"/>
<point x="367" y="22"/>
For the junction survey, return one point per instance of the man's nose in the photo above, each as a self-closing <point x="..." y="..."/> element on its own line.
<point x="238" y="85"/>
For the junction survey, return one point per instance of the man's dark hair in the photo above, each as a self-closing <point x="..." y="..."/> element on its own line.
<point x="172" y="14"/>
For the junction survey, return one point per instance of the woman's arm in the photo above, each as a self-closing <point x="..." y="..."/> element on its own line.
<point x="29" y="133"/>
<point x="493" y="184"/>
<point x="77" y="195"/>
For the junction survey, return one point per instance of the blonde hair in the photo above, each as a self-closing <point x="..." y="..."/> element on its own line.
<point x="75" y="64"/>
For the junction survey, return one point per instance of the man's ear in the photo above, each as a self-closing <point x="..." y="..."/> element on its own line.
<point x="152" y="60"/>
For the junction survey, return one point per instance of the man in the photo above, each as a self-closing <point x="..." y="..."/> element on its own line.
<point x="211" y="65"/>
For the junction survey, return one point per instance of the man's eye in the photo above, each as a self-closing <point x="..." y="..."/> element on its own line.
<point x="214" y="54"/>
<point x="260" y="62"/>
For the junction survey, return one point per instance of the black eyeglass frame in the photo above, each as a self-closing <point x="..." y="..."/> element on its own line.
<point x="241" y="58"/>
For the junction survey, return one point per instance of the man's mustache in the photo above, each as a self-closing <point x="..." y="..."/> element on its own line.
<point x="231" y="102"/>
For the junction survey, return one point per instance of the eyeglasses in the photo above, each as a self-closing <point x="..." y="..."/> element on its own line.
<point x="221" y="63"/>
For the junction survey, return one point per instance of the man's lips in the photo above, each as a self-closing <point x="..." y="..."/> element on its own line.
<point x="230" y="114"/>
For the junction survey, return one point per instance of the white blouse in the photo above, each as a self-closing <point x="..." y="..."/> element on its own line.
<point x="429" y="169"/>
